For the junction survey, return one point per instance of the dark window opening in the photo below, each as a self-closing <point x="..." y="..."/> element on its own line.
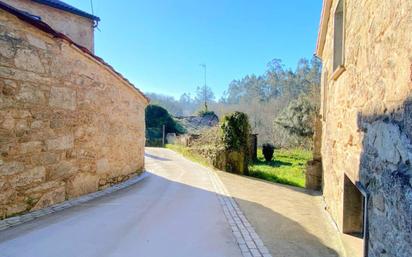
<point x="353" y="209"/>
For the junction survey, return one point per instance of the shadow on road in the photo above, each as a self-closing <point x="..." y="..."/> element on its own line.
<point x="288" y="238"/>
<point x="156" y="157"/>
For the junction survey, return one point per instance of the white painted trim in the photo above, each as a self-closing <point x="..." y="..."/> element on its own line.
<point x="338" y="71"/>
<point x="323" y="27"/>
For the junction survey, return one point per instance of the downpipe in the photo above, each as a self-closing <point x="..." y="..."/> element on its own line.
<point x="365" y="193"/>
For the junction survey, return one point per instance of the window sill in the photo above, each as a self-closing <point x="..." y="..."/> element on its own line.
<point x="336" y="74"/>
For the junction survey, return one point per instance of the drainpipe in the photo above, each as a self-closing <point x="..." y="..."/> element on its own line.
<point x="366" y="195"/>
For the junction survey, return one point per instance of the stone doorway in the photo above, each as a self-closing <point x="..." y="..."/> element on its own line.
<point x="355" y="215"/>
<point x="353" y="210"/>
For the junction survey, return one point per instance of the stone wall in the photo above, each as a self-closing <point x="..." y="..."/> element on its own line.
<point x="79" y="29"/>
<point x="68" y="124"/>
<point x="313" y="175"/>
<point x="367" y="120"/>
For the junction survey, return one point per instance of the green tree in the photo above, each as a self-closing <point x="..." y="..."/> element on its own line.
<point x="298" y="117"/>
<point x="156" y="116"/>
<point x="204" y="96"/>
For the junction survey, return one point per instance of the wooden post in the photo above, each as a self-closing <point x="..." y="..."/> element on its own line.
<point x="253" y="147"/>
<point x="163" y="138"/>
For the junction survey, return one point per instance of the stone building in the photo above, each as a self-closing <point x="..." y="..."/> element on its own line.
<point x="72" y="22"/>
<point x="69" y="123"/>
<point x="366" y="121"/>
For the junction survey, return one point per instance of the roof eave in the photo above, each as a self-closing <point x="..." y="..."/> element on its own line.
<point x="70" y="10"/>
<point x="47" y="29"/>
<point x="323" y="27"/>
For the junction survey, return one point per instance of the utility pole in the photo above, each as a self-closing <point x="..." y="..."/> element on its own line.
<point x="163" y="135"/>
<point x="205" y="87"/>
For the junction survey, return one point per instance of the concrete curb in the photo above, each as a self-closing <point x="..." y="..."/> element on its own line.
<point x="18" y="220"/>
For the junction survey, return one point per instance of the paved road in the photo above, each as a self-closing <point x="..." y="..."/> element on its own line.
<point x="174" y="212"/>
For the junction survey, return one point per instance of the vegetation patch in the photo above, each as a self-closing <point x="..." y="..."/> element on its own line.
<point x="236" y="131"/>
<point x="156" y="117"/>
<point x="288" y="167"/>
<point x="298" y="117"/>
<point x="280" y="102"/>
<point x="189" y="154"/>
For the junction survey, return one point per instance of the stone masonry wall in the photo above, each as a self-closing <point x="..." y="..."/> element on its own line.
<point x="79" y="29"/>
<point x="68" y="124"/>
<point x="367" y="127"/>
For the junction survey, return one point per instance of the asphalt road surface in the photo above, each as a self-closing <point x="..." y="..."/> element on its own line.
<point x="174" y="212"/>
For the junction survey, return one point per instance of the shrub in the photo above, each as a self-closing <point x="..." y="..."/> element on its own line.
<point x="209" y="136"/>
<point x="236" y="132"/>
<point x="268" y="150"/>
<point x="157" y="116"/>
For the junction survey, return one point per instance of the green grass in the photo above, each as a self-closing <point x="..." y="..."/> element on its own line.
<point x="185" y="151"/>
<point x="287" y="167"/>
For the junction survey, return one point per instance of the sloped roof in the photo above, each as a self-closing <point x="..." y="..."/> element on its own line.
<point x="34" y="21"/>
<point x="66" y="7"/>
<point x="194" y="124"/>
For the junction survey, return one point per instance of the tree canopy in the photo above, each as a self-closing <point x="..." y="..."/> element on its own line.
<point x="264" y="97"/>
<point x="157" y="116"/>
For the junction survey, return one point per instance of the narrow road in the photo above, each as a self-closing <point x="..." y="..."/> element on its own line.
<point x="174" y="212"/>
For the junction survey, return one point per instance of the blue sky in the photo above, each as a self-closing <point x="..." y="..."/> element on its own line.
<point x="159" y="44"/>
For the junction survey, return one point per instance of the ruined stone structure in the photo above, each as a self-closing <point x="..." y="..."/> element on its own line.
<point x="69" y="123"/>
<point x="367" y="121"/>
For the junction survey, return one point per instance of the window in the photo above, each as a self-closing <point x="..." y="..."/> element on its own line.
<point x="338" y="38"/>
